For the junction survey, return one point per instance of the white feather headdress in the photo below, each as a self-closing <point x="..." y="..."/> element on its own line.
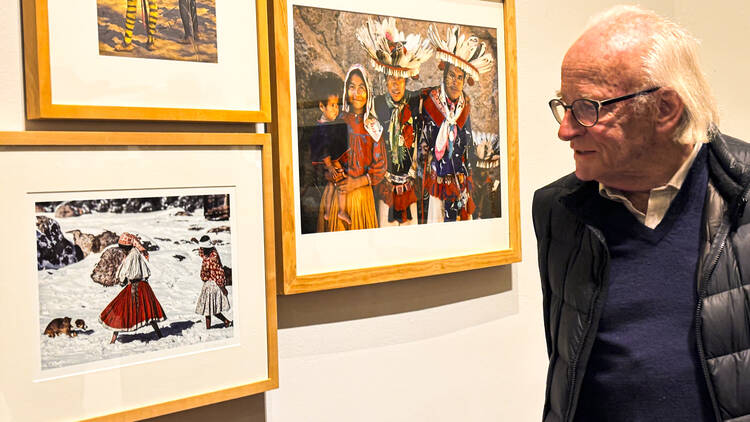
<point x="390" y="51"/>
<point x="468" y="54"/>
<point x="487" y="149"/>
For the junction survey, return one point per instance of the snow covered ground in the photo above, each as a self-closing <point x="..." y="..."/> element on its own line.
<point x="70" y="291"/>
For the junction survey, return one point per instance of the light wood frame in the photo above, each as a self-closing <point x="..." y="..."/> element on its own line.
<point x="39" y="91"/>
<point x="32" y="140"/>
<point x="289" y="282"/>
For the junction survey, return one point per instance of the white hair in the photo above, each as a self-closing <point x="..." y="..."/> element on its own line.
<point x="670" y="61"/>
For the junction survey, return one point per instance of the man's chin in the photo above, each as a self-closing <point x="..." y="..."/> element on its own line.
<point x="584" y="174"/>
<point x="452" y="95"/>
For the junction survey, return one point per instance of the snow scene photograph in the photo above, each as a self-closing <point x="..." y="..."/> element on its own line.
<point x="124" y="277"/>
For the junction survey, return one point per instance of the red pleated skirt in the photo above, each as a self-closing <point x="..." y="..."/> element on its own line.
<point x="134" y="307"/>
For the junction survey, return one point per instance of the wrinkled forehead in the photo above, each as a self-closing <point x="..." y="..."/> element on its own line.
<point x="606" y="61"/>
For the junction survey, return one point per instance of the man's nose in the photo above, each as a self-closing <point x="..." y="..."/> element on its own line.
<point x="569" y="127"/>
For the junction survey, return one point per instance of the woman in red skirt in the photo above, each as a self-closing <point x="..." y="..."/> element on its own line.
<point x="136" y="305"/>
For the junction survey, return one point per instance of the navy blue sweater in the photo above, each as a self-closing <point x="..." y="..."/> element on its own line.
<point x="644" y="363"/>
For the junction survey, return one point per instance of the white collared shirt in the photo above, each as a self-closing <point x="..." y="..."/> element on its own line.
<point x="660" y="198"/>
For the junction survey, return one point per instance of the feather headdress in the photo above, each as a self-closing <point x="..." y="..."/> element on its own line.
<point x="390" y="51"/>
<point x="487" y="149"/>
<point x="468" y="54"/>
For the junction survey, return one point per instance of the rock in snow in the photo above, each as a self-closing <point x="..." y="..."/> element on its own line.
<point x="90" y="243"/>
<point x="67" y="210"/>
<point x="53" y="250"/>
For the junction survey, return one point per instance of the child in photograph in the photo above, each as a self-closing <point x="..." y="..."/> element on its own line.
<point x="214" y="298"/>
<point x="136" y="305"/>
<point x="329" y="143"/>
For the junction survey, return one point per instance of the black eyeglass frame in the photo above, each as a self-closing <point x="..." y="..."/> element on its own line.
<point x="596" y="103"/>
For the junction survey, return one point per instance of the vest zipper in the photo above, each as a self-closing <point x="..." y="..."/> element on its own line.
<point x="574" y="362"/>
<point x="702" y="292"/>
<point x="594" y="306"/>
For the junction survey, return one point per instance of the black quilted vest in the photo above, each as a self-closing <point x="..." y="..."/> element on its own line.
<point x="574" y="268"/>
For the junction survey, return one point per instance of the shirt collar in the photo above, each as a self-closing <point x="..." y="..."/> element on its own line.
<point x="660" y="198"/>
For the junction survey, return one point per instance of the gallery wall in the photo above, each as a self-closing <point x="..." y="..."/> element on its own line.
<point x="459" y="347"/>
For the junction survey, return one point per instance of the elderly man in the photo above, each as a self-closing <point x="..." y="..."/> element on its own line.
<point x="643" y="250"/>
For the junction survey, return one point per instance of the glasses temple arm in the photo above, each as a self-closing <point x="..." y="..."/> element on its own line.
<point x="627" y="97"/>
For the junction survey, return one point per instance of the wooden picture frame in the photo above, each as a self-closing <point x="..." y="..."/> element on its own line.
<point x="92" y="85"/>
<point x="290" y="279"/>
<point x="152" y="383"/>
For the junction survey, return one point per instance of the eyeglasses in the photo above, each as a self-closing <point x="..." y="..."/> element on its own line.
<point x="585" y="111"/>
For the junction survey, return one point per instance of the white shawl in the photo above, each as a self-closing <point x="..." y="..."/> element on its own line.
<point x="133" y="268"/>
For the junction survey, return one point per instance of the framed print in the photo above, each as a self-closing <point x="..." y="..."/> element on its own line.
<point x="398" y="145"/>
<point x="146" y="264"/>
<point x="184" y="60"/>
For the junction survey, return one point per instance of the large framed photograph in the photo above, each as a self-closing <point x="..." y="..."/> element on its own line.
<point x="148" y="286"/>
<point x="398" y="145"/>
<point x="185" y="60"/>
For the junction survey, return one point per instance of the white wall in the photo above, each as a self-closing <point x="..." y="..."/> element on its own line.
<point x="459" y="347"/>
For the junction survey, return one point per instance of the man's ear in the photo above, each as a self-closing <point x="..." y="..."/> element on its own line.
<point x="322" y="107"/>
<point x="669" y="109"/>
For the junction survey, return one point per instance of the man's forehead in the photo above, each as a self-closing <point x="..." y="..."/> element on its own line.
<point x="588" y="73"/>
<point x="603" y="68"/>
<point x="455" y="70"/>
<point x="588" y="79"/>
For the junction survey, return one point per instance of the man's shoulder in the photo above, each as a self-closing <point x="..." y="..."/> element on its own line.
<point x="380" y="100"/>
<point x="548" y="199"/>
<point x="413" y="98"/>
<point x="382" y="110"/>
<point x="560" y="187"/>
<point x="424" y="93"/>
<point x="729" y="164"/>
<point x="736" y="148"/>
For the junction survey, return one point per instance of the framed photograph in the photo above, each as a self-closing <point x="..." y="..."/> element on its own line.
<point x="398" y="140"/>
<point x="184" y="60"/>
<point x="146" y="263"/>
